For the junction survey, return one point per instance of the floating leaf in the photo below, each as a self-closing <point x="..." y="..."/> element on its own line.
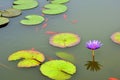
<point x="58" y="69"/>
<point x="59" y="1"/>
<point x="29" y="55"/>
<point x="116" y="37"/>
<point x="25" y="4"/>
<point x="64" y="40"/>
<point x="54" y="9"/>
<point x="66" y="56"/>
<point x="3" y="22"/>
<point x="28" y="63"/>
<point x="11" y="12"/>
<point x="32" y="20"/>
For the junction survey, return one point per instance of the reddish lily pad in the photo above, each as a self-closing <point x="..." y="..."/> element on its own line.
<point x="64" y="40"/>
<point x="34" y="57"/>
<point x="116" y="37"/>
<point x="58" y="69"/>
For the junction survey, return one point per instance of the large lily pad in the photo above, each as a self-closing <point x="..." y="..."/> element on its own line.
<point x="25" y="4"/>
<point x="116" y="37"/>
<point x="27" y="55"/>
<point x="59" y="1"/>
<point x="11" y="12"/>
<point x="64" y="40"/>
<point x="65" y="56"/>
<point x="32" y="20"/>
<point x="3" y="22"/>
<point x="58" y="69"/>
<point x="54" y="9"/>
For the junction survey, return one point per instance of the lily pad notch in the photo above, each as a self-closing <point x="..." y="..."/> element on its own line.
<point x="64" y="40"/>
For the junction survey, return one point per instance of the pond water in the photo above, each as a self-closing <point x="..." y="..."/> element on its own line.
<point x="97" y="19"/>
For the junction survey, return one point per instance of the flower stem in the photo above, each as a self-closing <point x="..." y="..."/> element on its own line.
<point x="93" y="55"/>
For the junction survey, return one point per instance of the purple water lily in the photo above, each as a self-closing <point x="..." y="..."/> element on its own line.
<point x="93" y="44"/>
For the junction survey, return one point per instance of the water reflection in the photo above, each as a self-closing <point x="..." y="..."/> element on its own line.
<point x="93" y="65"/>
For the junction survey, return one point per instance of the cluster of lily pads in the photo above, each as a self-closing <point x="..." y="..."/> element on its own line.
<point x="53" y="69"/>
<point x="54" y="7"/>
<point x="6" y="14"/>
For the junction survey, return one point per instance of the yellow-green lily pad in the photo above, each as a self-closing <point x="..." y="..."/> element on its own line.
<point x="116" y="37"/>
<point x="65" y="56"/>
<point x="54" y="9"/>
<point x="32" y="20"/>
<point x="59" y="1"/>
<point x="64" y="40"/>
<point x="29" y="55"/>
<point x="58" y="69"/>
<point x="3" y="22"/>
<point x="25" y="4"/>
<point x="28" y="63"/>
<point x="11" y="12"/>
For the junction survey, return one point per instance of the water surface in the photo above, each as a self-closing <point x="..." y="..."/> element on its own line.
<point x="97" y="19"/>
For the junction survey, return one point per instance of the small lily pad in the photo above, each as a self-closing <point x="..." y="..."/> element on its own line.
<point x="27" y="55"/>
<point x="65" y="56"/>
<point x="64" y="40"/>
<point x="116" y="37"/>
<point x="3" y="22"/>
<point x="11" y="12"/>
<point x="59" y="1"/>
<point x="25" y="4"/>
<point x="58" y="69"/>
<point x="54" y="9"/>
<point x="28" y="63"/>
<point x="32" y="20"/>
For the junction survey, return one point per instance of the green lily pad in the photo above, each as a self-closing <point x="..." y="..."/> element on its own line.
<point x="65" y="56"/>
<point x="59" y="1"/>
<point x="64" y="40"/>
<point x="116" y="37"/>
<point x="58" y="69"/>
<point x="54" y="9"/>
<point x="3" y="22"/>
<point x="11" y="12"/>
<point x="25" y="4"/>
<point x="28" y="63"/>
<point x="32" y="20"/>
<point x="28" y="55"/>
